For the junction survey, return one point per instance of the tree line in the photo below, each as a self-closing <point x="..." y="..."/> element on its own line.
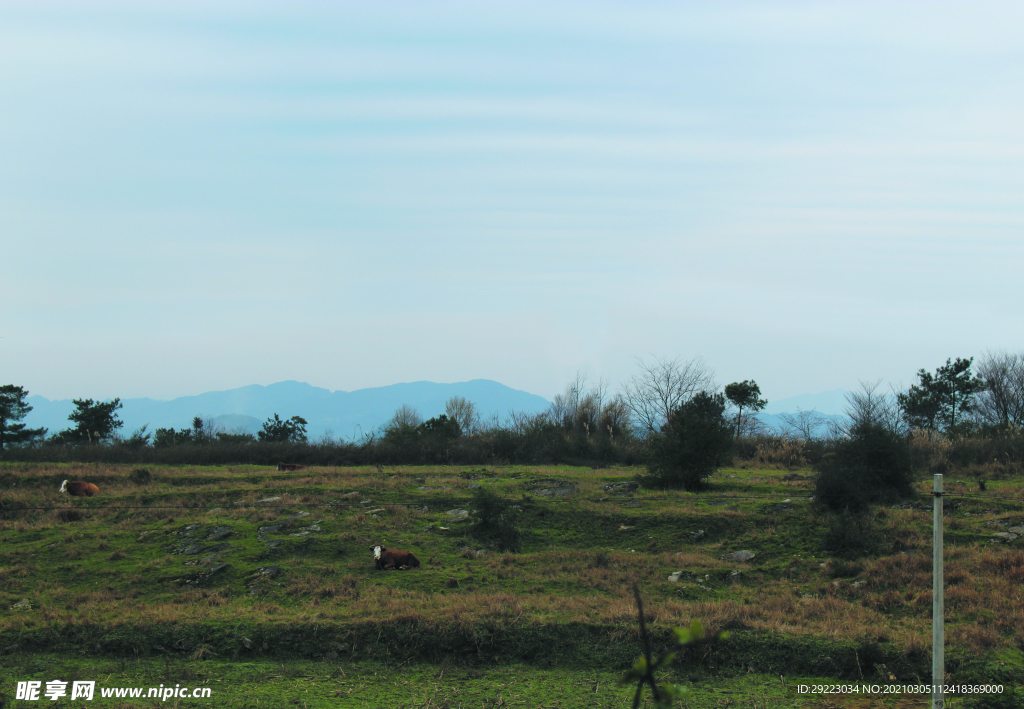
<point x="670" y="415"/>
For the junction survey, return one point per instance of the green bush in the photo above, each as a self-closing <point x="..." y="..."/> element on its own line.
<point x="872" y="465"/>
<point x="494" y="520"/>
<point x="139" y="476"/>
<point x="694" y="442"/>
<point x="850" y="535"/>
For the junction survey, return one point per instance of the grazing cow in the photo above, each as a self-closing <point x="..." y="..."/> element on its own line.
<point x="385" y="559"/>
<point x="79" y="489"/>
<point x="289" y="466"/>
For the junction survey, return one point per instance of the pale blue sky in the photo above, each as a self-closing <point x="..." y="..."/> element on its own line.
<point x="199" y="196"/>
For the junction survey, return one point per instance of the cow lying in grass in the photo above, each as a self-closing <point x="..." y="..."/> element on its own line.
<point x="387" y="559"/>
<point x="289" y="466"/>
<point x="78" y="489"/>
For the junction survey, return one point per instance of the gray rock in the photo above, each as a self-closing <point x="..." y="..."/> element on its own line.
<point x="457" y="513"/>
<point x="743" y="555"/>
<point x="270" y="529"/>
<point x="431" y="488"/>
<point x="698" y="535"/>
<point x="564" y="491"/>
<point x="192" y="549"/>
<point x="620" y="487"/>
<point x="219" y="533"/>
<point x="676" y="576"/>
<point x="270" y="499"/>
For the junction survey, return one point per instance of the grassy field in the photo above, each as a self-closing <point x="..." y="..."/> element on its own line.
<point x="199" y="577"/>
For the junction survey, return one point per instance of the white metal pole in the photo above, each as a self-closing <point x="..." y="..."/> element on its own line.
<point x="938" y="605"/>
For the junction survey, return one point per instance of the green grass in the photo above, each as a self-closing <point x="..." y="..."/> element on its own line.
<point x="107" y="581"/>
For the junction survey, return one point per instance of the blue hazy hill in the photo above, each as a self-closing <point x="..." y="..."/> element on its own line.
<point x="344" y="413"/>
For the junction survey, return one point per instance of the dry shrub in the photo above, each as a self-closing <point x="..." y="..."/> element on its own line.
<point x="70" y="515"/>
<point x="972" y="637"/>
<point x="781" y="452"/>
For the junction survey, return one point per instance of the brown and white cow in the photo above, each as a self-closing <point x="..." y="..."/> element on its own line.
<point x="79" y="489"/>
<point x="387" y="559"/>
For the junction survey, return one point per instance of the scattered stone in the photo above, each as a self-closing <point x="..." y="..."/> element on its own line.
<point x="219" y="548"/>
<point x="858" y="582"/>
<point x="432" y="488"/>
<point x="140" y="537"/>
<point x="23" y="605"/>
<point x="623" y="528"/>
<point x="743" y="555"/>
<point x="1016" y="530"/>
<point x="215" y="510"/>
<point x="419" y="480"/>
<point x="248" y="643"/>
<point x="776" y="509"/>
<point x="270" y="499"/>
<point x="698" y="535"/>
<point x="457" y="513"/>
<point x="268" y="571"/>
<point x="219" y="533"/>
<point x="475" y="486"/>
<point x="675" y="576"/>
<point x="270" y="529"/>
<point x="621" y="487"/>
<point x="274" y="543"/>
<point x="192" y="549"/>
<point x="564" y="491"/>
<point x="430" y="528"/>
<point x="303" y="533"/>
<point x="1006" y="536"/>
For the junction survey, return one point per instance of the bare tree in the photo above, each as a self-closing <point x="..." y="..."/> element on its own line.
<point x="406" y="419"/>
<point x="463" y="412"/>
<point x="663" y="386"/>
<point x="803" y="425"/>
<point x="868" y="406"/>
<point x="1002" y="399"/>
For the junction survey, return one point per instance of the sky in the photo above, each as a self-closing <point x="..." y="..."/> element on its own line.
<point x="202" y="196"/>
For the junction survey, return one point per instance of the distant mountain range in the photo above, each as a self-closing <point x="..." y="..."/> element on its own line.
<point x="350" y="414"/>
<point x="345" y="414"/>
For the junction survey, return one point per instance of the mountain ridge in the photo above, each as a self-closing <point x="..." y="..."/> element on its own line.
<point x="340" y="413"/>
